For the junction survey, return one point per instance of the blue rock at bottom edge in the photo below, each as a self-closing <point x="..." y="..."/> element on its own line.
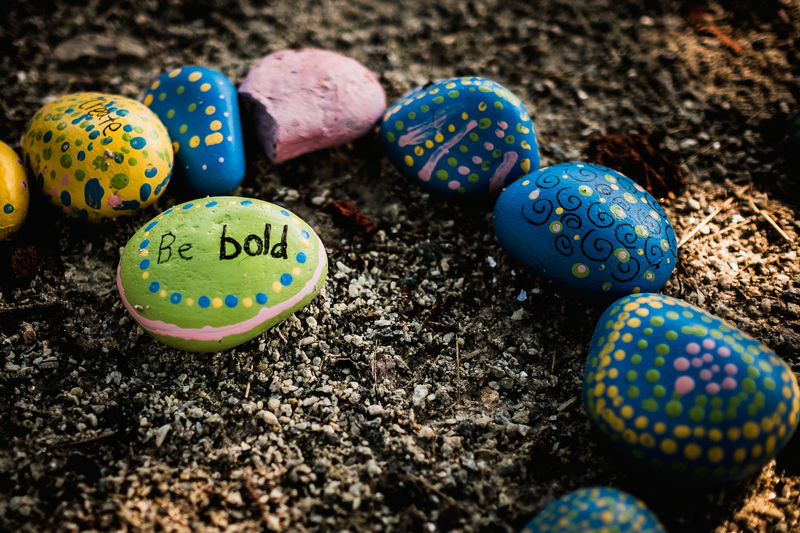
<point x="200" y="110"/>
<point x="595" y="510"/>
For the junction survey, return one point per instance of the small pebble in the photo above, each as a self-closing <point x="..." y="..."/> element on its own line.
<point x="98" y="156"/>
<point x="307" y="100"/>
<point x="200" y="110"/>
<point x="595" y="510"/>
<point x="210" y="274"/>
<point x="589" y="228"/>
<point x="682" y="391"/>
<point x="461" y="136"/>
<point x="14" y="195"/>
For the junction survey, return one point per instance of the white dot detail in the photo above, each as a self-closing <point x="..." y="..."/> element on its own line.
<point x="221" y="159"/>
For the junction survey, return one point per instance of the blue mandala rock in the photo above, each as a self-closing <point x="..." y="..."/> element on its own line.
<point x="462" y="136"/>
<point x="200" y="109"/>
<point x="685" y="393"/>
<point x="595" y="510"/>
<point x="589" y="228"/>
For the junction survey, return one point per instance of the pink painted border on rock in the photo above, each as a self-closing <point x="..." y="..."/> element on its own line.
<point x="209" y="333"/>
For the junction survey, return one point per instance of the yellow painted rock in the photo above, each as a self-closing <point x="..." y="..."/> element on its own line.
<point x="14" y="195"/>
<point x="98" y="155"/>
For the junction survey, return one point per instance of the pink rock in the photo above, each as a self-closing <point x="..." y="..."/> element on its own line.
<point x="307" y="100"/>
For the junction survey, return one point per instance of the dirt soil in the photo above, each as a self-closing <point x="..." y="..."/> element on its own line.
<point x="434" y="384"/>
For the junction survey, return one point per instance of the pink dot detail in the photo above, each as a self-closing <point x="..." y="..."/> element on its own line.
<point x="205" y="167"/>
<point x="54" y="192"/>
<point x="65" y="179"/>
<point x="712" y="388"/>
<point x="728" y="383"/>
<point x="697" y="362"/>
<point x="715" y="368"/>
<point x="463" y="170"/>
<point x="477" y="160"/>
<point x="707" y="357"/>
<point x="500" y="133"/>
<point x="684" y="385"/>
<point x="705" y="374"/>
<point x="503" y="125"/>
<point x="681" y="364"/>
<point x="454" y="185"/>
<point x="221" y="159"/>
<point x="724" y="351"/>
<point x="488" y="146"/>
<point x="693" y="348"/>
<point x="582" y="269"/>
<point x="708" y="344"/>
<point x="23" y="184"/>
<point x="731" y="369"/>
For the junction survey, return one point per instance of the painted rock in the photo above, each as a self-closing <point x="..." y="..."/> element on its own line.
<point x="685" y="393"/>
<point x="210" y="274"/>
<point x="595" y="510"/>
<point x="461" y="136"/>
<point x="796" y="128"/>
<point x="14" y="196"/>
<point x="200" y="109"/>
<point x="589" y="228"/>
<point x="98" y="155"/>
<point x="307" y="100"/>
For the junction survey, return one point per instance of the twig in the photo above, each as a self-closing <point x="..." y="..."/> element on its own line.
<point x="473" y="354"/>
<point x="770" y="220"/>
<point x="748" y="220"/>
<point x="458" y="374"/>
<point x="725" y="205"/>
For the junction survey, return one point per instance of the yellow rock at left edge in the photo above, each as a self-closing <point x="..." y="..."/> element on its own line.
<point x="14" y="196"/>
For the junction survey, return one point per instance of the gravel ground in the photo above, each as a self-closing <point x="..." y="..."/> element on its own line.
<point x="434" y="384"/>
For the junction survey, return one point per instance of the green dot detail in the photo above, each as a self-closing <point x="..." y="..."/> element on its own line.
<point x="66" y="160"/>
<point x="662" y="349"/>
<point x="657" y="321"/>
<point x="652" y="375"/>
<point x="441" y="174"/>
<point x="673" y="408"/>
<point x="642" y="344"/>
<point x="671" y="335"/>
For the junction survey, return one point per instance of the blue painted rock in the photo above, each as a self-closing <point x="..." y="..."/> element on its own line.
<point x="307" y="100"/>
<point x="796" y="128"/>
<point x="685" y="393"/>
<point x="210" y="274"/>
<point x="14" y="195"/>
<point x="461" y="136"/>
<point x="589" y="228"/>
<point x="98" y="155"/>
<point x="595" y="510"/>
<point x="201" y="112"/>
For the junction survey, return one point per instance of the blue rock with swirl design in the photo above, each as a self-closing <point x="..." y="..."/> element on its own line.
<point x="685" y="393"/>
<point x="200" y="109"/>
<point x="587" y="227"/>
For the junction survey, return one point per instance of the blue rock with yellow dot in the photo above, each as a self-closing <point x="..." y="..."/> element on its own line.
<point x="595" y="510"/>
<point x="461" y="136"/>
<point x="589" y="228"/>
<point x="200" y="109"/>
<point x="685" y="393"/>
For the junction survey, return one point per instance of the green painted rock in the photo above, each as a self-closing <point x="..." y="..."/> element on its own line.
<point x="213" y="273"/>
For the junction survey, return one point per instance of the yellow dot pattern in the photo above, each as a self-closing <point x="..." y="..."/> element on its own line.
<point x="597" y="510"/>
<point x="683" y="391"/>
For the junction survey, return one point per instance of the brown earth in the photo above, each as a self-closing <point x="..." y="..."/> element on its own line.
<point x="434" y="385"/>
